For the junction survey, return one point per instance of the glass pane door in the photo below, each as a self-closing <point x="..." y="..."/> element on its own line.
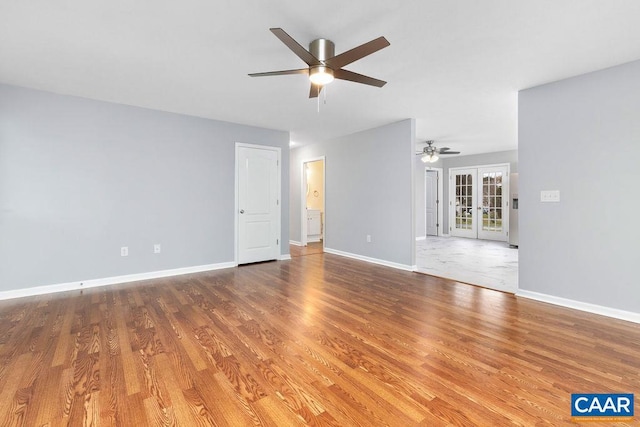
<point x="463" y="203"/>
<point x="494" y="219"/>
<point x="478" y="202"/>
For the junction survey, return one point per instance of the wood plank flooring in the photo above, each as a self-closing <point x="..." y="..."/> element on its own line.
<point x="318" y="340"/>
<point x="312" y="248"/>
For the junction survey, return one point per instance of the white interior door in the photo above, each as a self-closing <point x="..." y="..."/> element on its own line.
<point x="258" y="215"/>
<point x="463" y="202"/>
<point x="479" y="203"/>
<point x="431" y="201"/>
<point x="492" y="198"/>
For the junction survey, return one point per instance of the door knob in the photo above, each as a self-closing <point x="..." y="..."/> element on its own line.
<point x="241" y="211"/>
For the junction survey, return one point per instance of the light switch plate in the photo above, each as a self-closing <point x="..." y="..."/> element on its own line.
<point x="550" y="196"/>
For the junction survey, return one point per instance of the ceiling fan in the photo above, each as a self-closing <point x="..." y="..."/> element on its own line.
<point x="430" y="153"/>
<point x="324" y="64"/>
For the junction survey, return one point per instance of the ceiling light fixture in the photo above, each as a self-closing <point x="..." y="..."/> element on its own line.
<point x="430" y="158"/>
<point x="321" y="75"/>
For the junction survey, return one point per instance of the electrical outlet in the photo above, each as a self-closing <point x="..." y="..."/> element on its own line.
<point x="157" y="248"/>
<point x="368" y="238"/>
<point x="124" y="251"/>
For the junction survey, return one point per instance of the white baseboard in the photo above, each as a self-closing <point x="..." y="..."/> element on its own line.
<point x="369" y="259"/>
<point x="421" y="238"/>
<point x="93" y="283"/>
<point x="583" y="306"/>
<point x="295" y="243"/>
<point x="285" y="257"/>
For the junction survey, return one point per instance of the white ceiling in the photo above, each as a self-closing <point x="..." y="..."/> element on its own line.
<point x="454" y="65"/>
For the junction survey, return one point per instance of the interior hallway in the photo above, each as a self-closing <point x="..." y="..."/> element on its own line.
<point x="479" y="262"/>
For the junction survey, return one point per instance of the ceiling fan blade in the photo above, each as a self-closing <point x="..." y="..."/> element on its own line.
<point x="449" y="152"/>
<point x="314" y="90"/>
<point x="358" y="78"/>
<point x="356" y="53"/>
<point x="302" y="53"/>
<point x="281" y="73"/>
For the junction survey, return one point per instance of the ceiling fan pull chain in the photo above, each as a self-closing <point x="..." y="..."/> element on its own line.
<point x="318" y="101"/>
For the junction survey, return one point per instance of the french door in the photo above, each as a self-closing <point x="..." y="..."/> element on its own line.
<point x="479" y="203"/>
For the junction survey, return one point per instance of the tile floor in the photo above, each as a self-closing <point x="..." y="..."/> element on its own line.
<point x="479" y="262"/>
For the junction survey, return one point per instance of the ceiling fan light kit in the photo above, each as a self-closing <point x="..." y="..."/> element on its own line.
<point x="320" y="75"/>
<point x="324" y="64"/>
<point x="430" y="158"/>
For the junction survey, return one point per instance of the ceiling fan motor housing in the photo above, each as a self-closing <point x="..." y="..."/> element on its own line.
<point x="322" y="49"/>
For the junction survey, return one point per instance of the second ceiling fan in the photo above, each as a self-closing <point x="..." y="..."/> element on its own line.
<point x="430" y="153"/>
<point x="324" y="65"/>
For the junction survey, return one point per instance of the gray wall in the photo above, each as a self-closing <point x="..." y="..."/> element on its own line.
<point x="369" y="190"/>
<point x="582" y="136"/>
<point x="499" y="157"/>
<point x="81" y="178"/>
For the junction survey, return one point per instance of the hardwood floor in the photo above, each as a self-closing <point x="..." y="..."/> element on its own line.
<point x="312" y="248"/>
<point x="318" y="340"/>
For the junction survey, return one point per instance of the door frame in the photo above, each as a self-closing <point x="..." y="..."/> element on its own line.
<point x="440" y="200"/>
<point x="452" y="196"/>
<point x="303" y="199"/>
<point x="236" y="204"/>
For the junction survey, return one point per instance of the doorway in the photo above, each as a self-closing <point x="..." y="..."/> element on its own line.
<point x="313" y="215"/>
<point x="257" y="215"/>
<point x="432" y="200"/>
<point x="478" y="202"/>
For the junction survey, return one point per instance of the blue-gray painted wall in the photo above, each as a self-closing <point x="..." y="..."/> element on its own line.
<point x="582" y="136"/>
<point x="80" y="178"/>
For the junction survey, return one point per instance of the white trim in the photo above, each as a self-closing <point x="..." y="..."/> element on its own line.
<point x="295" y="243"/>
<point x="93" y="283"/>
<point x="285" y="257"/>
<point x="421" y="238"/>
<point x="371" y="260"/>
<point x="582" y="306"/>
